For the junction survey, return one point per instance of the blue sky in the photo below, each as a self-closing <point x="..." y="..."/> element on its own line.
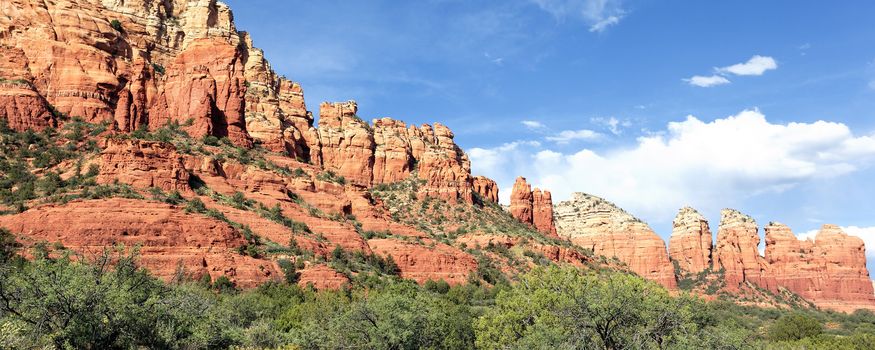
<point x="767" y="107"/>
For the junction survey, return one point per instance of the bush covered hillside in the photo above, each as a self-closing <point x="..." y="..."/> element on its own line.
<point x="60" y="300"/>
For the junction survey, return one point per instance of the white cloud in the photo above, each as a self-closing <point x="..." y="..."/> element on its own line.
<point x="756" y="65"/>
<point x="567" y="136"/>
<point x="598" y="14"/>
<point x="533" y="124"/>
<point x="600" y="26"/>
<point x="614" y="125"/>
<point x="872" y="84"/>
<point x="709" y="165"/>
<point x="709" y="81"/>
<point x="867" y="234"/>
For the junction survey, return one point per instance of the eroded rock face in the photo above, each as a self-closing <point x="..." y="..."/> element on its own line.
<point x="521" y="201"/>
<point x="829" y="271"/>
<point x="143" y="164"/>
<point x="166" y="60"/>
<point x="347" y="142"/>
<point x="393" y="155"/>
<point x="691" y="241"/>
<point x="594" y="223"/>
<point x="205" y="84"/>
<point x="423" y="263"/>
<point x="276" y="115"/>
<point x="737" y="252"/>
<point x="443" y="165"/>
<point x="20" y="104"/>
<point x="542" y="212"/>
<point x="486" y="188"/>
<point x="169" y="238"/>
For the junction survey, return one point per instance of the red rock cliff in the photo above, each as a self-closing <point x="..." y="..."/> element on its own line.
<point x="690" y="245"/>
<point x="737" y="253"/>
<point x="486" y="188"/>
<point x="829" y="271"/>
<point x="594" y="223"/>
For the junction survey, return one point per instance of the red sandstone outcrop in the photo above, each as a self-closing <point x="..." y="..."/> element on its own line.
<point x="143" y="164"/>
<point x="80" y="62"/>
<point x="168" y="237"/>
<point x="594" y="223"/>
<point x="205" y="84"/>
<point x="276" y="115"/>
<point x="737" y="252"/>
<point x="21" y="106"/>
<point x="542" y="212"/>
<point x="532" y="207"/>
<point x="445" y="168"/>
<point x="486" y="188"/>
<point x="347" y="142"/>
<point x="393" y="154"/>
<point x="829" y="271"/>
<point x="422" y="263"/>
<point x="521" y="200"/>
<point x="322" y="277"/>
<point x="691" y="241"/>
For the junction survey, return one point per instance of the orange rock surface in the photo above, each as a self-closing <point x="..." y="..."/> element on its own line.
<point x="691" y="241"/>
<point x="737" y="252"/>
<point x="347" y="142"/>
<point x="829" y="271"/>
<point x="422" y="263"/>
<point x="143" y="164"/>
<point x="486" y="188"/>
<point x="168" y="237"/>
<point x="521" y="201"/>
<point x="596" y="224"/>
<point x="542" y="212"/>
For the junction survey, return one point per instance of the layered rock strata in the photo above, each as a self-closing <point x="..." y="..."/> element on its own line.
<point x="533" y="207"/>
<point x="691" y="241"/>
<point x="737" y="254"/>
<point x="594" y="223"/>
<point x="829" y="270"/>
<point x="486" y="188"/>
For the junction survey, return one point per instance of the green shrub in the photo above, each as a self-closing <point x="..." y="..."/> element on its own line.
<point x="115" y="24"/>
<point x="795" y="327"/>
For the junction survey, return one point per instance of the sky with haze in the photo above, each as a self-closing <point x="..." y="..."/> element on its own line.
<point x="763" y="106"/>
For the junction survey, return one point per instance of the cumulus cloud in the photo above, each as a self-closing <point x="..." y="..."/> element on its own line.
<point x="598" y="14"/>
<point x="567" y="136"/>
<point x="707" y="164"/>
<point x="533" y="124"/>
<point x="867" y="234"/>
<point x="707" y="81"/>
<point x="756" y="65"/>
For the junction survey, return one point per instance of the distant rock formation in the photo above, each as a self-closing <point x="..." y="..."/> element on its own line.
<point x="487" y="189"/>
<point x="594" y="223"/>
<point x="690" y="245"/>
<point x="829" y="271"/>
<point x="737" y="252"/>
<point x="532" y="207"/>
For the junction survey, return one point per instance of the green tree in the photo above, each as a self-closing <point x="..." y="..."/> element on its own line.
<point x="567" y="308"/>
<point x="794" y="327"/>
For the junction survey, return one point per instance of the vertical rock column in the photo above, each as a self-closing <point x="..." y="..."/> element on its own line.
<point x="690" y="245"/>
<point x="737" y="253"/>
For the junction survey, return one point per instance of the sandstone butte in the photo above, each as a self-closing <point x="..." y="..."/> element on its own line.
<point x="829" y="271"/>
<point x="594" y="223"/>
<point x="533" y="207"/>
<point x="141" y="64"/>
